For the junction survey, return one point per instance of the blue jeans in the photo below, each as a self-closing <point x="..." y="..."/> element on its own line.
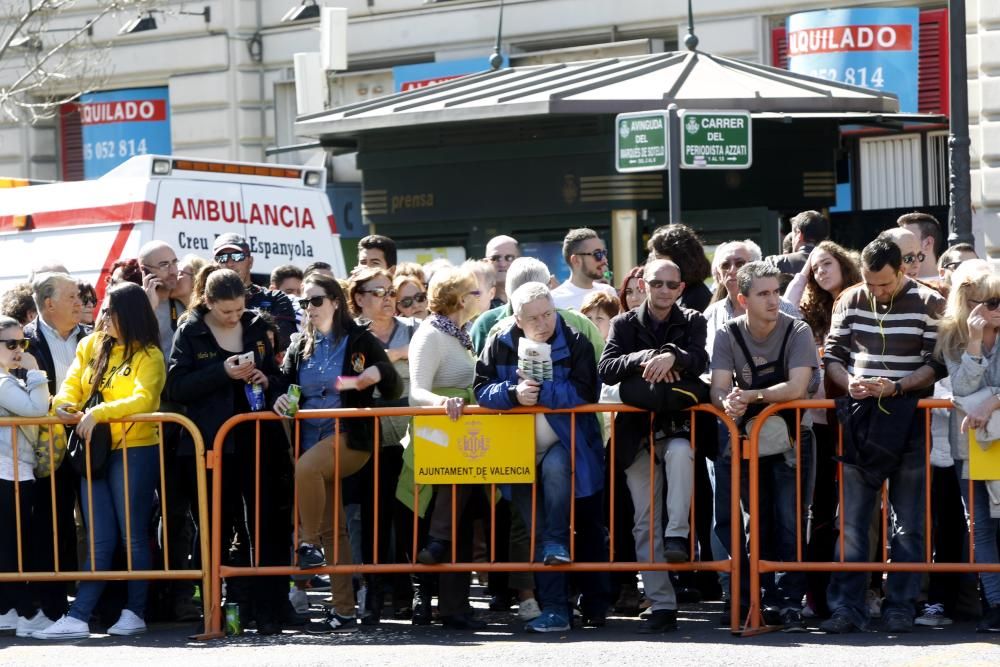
<point x="109" y="524"/>
<point x="985" y="535"/>
<point x="846" y="592"/>
<point x="552" y="521"/>
<point x="777" y="520"/>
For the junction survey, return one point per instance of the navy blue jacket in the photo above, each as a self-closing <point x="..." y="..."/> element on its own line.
<point x="574" y="383"/>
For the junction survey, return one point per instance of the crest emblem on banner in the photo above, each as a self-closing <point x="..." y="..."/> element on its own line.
<point x="474" y="444"/>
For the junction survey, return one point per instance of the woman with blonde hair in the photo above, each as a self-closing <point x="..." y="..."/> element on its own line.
<point x="969" y="344"/>
<point x="442" y="372"/>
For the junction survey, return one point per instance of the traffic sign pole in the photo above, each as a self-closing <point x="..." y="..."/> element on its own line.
<point x="674" y="173"/>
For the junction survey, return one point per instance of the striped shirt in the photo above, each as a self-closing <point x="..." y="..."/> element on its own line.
<point x="891" y="343"/>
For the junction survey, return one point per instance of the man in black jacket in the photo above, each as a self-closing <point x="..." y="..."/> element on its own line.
<point x="53" y="338"/>
<point x="232" y="251"/>
<point x="649" y="352"/>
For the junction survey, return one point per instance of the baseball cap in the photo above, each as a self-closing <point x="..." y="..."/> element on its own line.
<point x="230" y="242"/>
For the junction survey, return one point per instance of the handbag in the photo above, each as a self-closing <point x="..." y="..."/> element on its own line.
<point x="99" y="445"/>
<point x="49" y="458"/>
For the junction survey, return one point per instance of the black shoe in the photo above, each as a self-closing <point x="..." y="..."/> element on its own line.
<point x="310" y="556"/>
<point x="333" y="623"/>
<point x="593" y="621"/>
<point x="421" y="608"/>
<point x="436" y="551"/>
<point x="688" y="595"/>
<point x="268" y="628"/>
<point x="838" y="624"/>
<point x="896" y="622"/>
<point x="771" y="616"/>
<point x="662" y="620"/>
<point x="791" y="620"/>
<point x="991" y="620"/>
<point x="502" y="602"/>
<point x="319" y="582"/>
<point x="464" y="621"/>
<point x="675" y="549"/>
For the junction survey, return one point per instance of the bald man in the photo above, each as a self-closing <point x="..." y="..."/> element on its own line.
<point x="909" y="246"/>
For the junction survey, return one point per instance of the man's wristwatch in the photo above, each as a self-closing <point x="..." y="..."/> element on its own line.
<point x="898" y="387"/>
<point x="760" y="396"/>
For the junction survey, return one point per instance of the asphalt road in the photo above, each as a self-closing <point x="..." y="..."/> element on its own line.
<point x="698" y="641"/>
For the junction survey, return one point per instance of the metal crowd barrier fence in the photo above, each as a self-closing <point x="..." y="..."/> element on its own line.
<point x="221" y="571"/>
<point x="759" y="565"/>
<point x="201" y="574"/>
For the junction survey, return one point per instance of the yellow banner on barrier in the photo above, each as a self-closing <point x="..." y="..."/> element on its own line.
<point x="479" y="449"/>
<point x="984" y="464"/>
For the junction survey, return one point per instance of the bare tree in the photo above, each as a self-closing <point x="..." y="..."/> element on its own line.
<point x="43" y="66"/>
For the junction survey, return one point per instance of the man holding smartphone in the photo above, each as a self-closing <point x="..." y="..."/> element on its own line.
<point x="880" y="351"/>
<point x="158" y="263"/>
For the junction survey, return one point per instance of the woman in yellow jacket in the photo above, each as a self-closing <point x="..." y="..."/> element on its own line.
<point x="124" y="354"/>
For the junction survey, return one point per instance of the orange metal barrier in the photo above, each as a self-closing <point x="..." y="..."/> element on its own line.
<point x="220" y="571"/>
<point x="167" y="573"/>
<point x="759" y="566"/>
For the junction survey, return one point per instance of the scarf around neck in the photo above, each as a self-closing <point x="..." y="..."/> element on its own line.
<point x="444" y="324"/>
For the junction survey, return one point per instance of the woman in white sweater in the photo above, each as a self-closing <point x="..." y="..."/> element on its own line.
<point x="24" y="392"/>
<point x="442" y="371"/>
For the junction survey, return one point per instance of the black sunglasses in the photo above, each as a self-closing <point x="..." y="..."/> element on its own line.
<point x="597" y="254"/>
<point x="89" y="301"/>
<point x="14" y="343"/>
<point x="315" y="301"/>
<point x="407" y="301"/>
<point x="657" y="284"/>
<point x="991" y="304"/>
<point x="379" y="292"/>
<point x="506" y="258"/>
<point x="226" y="257"/>
<point x="914" y="257"/>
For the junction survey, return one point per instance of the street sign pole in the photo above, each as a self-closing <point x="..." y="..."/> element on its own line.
<point x="674" y="173"/>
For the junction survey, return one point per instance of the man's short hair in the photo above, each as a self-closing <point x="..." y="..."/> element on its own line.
<point x="379" y="242"/>
<point x="928" y="225"/>
<point x="574" y="239"/>
<point x="752" y="271"/>
<point x="728" y="246"/>
<point x="284" y="272"/>
<point x="813" y="226"/>
<point x="527" y="293"/>
<point x="316" y="266"/>
<point x="954" y="253"/>
<point x="18" y="302"/>
<point x="880" y="253"/>
<point x="525" y="270"/>
<point x="46" y="284"/>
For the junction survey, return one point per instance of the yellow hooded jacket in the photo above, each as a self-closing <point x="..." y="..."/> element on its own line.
<point x="128" y="389"/>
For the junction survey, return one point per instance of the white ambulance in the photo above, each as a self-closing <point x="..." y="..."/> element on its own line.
<point x="283" y="212"/>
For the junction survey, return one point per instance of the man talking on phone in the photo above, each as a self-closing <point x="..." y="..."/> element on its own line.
<point x="158" y="263"/>
<point x="880" y="351"/>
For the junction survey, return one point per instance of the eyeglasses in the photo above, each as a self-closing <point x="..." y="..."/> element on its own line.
<point x="407" y="301"/>
<point x="914" y="257"/>
<point x="476" y="293"/>
<point x="185" y="272"/>
<point x="657" y="284"/>
<point x="226" y="257"/>
<point x="379" y="292"/>
<point x="991" y="304"/>
<point x="314" y="301"/>
<point x="506" y="258"/>
<point x="725" y="267"/>
<point x="14" y="343"/>
<point x="599" y="255"/>
<point x="162" y="266"/>
<point x="89" y="300"/>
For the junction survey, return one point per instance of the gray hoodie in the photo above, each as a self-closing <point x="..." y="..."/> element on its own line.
<point x="21" y="399"/>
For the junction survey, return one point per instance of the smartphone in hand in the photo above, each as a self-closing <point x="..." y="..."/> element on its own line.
<point x="245" y="358"/>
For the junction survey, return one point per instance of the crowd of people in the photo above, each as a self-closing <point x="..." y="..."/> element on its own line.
<point x="876" y="330"/>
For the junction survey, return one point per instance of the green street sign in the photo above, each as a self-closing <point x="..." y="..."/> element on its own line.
<point x="641" y="141"/>
<point x="716" y="140"/>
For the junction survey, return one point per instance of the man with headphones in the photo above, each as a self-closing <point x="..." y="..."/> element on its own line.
<point x="880" y="351"/>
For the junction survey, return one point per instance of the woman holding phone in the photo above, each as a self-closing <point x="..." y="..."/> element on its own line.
<point x="337" y="363"/>
<point x="122" y="363"/>
<point x="222" y="364"/>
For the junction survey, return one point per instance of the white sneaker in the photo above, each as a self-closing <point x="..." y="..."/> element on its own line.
<point x="528" y="610"/>
<point x="128" y="624"/>
<point x="299" y="600"/>
<point x="66" y="627"/>
<point x="27" y="627"/>
<point x="933" y="616"/>
<point x="8" y="622"/>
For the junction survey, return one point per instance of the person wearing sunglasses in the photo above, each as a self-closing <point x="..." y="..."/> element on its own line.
<point x="331" y="347"/>
<point x="909" y="247"/>
<point x="951" y="259"/>
<point x="500" y="252"/>
<point x="929" y="234"/>
<point x="969" y="344"/>
<point x="411" y="297"/>
<point x="88" y="297"/>
<point x="159" y="278"/>
<point x="122" y="361"/>
<point x="231" y="251"/>
<point x="587" y="258"/>
<point x="23" y="393"/>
